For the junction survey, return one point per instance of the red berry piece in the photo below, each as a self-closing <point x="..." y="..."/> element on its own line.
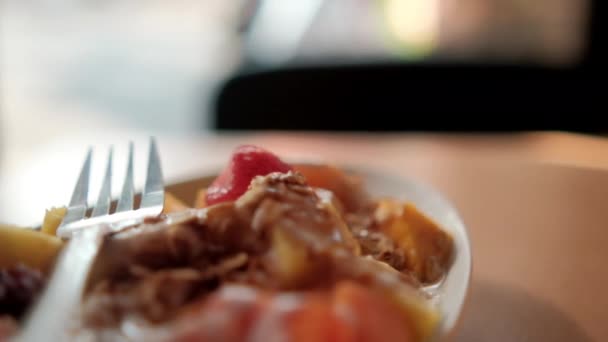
<point x="246" y="163"/>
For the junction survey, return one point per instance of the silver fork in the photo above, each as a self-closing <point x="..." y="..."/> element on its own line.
<point x="151" y="204"/>
<point x="52" y="314"/>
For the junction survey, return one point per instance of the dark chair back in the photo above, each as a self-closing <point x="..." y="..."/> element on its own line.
<point x="421" y="96"/>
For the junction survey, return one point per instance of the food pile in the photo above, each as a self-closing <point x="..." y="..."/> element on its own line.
<point x="268" y="252"/>
<point x="26" y="258"/>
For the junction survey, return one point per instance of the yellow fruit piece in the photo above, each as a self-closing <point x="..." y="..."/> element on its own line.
<point x="428" y="248"/>
<point x="22" y="245"/>
<point x="290" y="258"/>
<point x="423" y="315"/>
<point x="173" y="204"/>
<point x="425" y="318"/>
<point x="201" y="198"/>
<point x="52" y="220"/>
<point x="332" y="205"/>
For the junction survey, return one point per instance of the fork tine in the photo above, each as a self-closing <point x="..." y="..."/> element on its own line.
<point x="153" y="194"/>
<point x="105" y="194"/>
<point x="78" y="203"/>
<point x="81" y="191"/>
<point x="125" y="202"/>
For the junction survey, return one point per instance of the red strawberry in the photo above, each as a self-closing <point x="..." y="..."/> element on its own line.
<point x="247" y="162"/>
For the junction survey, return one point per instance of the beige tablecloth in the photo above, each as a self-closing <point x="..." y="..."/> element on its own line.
<point x="535" y="206"/>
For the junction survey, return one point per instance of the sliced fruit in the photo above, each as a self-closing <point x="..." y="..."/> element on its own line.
<point x="428" y="248"/>
<point x="374" y="317"/>
<point x="290" y="262"/>
<point x="347" y="188"/>
<point x="228" y="316"/>
<point x="173" y="204"/>
<point x="424" y="318"/>
<point x="247" y="162"/>
<point x="201" y="199"/>
<point x="27" y="246"/>
<point x="313" y="320"/>
<point x="347" y="313"/>
<point x="403" y="293"/>
<point x="52" y="220"/>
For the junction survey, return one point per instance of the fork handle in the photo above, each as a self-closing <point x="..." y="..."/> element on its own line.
<point x="50" y="319"/>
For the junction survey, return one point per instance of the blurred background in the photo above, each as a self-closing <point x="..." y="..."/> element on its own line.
<point x="159" y="65"/>
<point x="80" y="71"/>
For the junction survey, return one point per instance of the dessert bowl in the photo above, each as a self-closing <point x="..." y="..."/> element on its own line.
<point x="449" y="294"/>
<point x="443" y="292"/>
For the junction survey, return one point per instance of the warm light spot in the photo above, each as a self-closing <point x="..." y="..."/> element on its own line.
<point x="414" y="23"/>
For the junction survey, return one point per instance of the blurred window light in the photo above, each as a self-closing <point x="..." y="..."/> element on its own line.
<point x="509" y="31"/>
<point x="278" y="29"/>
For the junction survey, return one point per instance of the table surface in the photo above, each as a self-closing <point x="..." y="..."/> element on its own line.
<point x="533" y="204"/>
